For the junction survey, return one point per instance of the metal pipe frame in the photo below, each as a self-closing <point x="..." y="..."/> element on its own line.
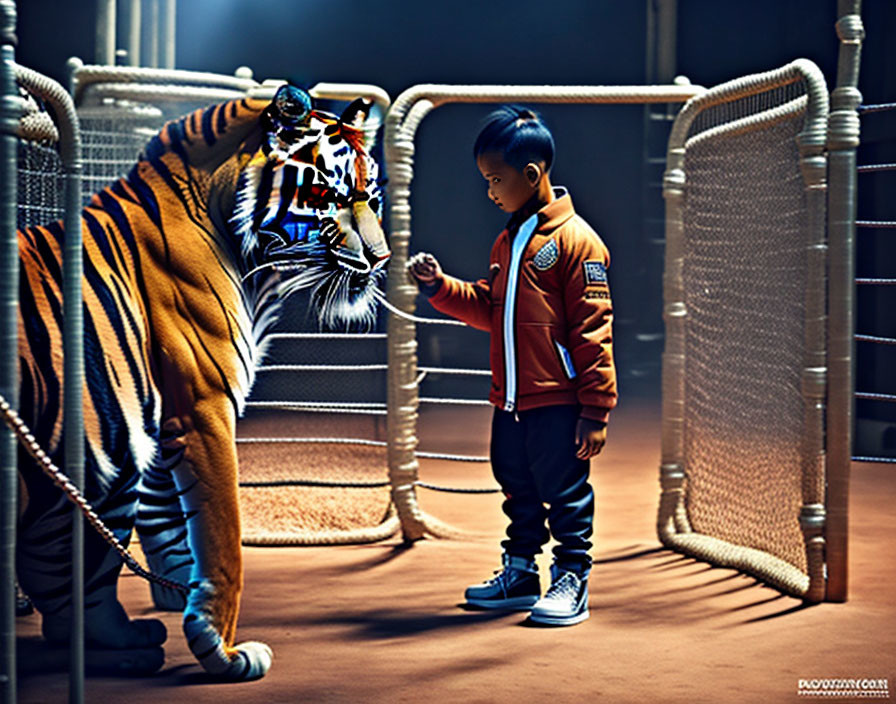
<point x="105" y="32"/>
<point x="169" y="32"/>
<point x="843" y="139"/>
<point x="133" y="39"/>
<point x="402" y="122"/>
<point x="152" y="45"/>
<point x="11" y="108"/>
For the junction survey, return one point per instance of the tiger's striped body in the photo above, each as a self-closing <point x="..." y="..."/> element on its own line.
<point x="185" y="263"/>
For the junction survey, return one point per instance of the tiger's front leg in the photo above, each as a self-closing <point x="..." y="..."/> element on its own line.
<point x="207" y="483"/>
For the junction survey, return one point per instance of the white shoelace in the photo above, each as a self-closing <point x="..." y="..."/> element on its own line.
<point x="566" y="587"/>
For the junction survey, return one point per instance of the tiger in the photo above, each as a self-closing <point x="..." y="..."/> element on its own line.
<point x="187" y="261"/>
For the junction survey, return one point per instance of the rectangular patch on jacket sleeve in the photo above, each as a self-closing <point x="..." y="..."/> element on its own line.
<point x="595" y="273"/>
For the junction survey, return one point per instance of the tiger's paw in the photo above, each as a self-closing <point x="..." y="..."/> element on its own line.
<point x="136" y="634"/>
<point x="245" y="661"/>
<point x="111" y="634"/>
<point x="124" y="663"/>
<point x="242" y="662"/>
<point x="250" y="660"/>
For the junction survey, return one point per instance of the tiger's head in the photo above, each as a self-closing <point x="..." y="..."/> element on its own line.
<point x="308" y="209"/>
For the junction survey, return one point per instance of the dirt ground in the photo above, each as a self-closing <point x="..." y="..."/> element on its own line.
<point x="382" y="622"/>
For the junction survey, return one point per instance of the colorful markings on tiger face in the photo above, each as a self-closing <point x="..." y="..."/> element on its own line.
<point x="308" y="209"/>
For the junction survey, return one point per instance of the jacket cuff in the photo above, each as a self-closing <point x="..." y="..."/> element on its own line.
<point x="431" y="289"/>
<point x="601" y="415"/>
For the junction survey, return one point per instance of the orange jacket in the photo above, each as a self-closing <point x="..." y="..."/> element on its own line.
<point x="547" y="302"/>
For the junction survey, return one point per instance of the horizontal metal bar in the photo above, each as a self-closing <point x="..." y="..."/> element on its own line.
<point x="876" y="223"/>
<point x="326" y="336"/>
<point x="452" y="370"/>
<point x="876" y="108"/>
<point x="454" y="401"/>
<point x="313" y="407"/>
<point x="864" y="458"/>
<point x="322" y="368"/>
<point x="876" y="340"/>
<point x="870" y="168"/>
<point x="272" y="440"/>
<point x="877" y="282"/>
<point x="869" y="396"/>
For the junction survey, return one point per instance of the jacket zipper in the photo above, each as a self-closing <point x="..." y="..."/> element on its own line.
<point x="517" y="249"/>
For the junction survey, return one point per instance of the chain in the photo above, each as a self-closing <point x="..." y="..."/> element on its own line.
<point x="74" y="495"/>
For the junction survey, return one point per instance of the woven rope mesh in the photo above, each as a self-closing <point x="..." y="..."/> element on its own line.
<point x="744" y="282"/>
<point x="40" y="184"/>
<point x="326" y="480"/>
<point x="113" y="135"/>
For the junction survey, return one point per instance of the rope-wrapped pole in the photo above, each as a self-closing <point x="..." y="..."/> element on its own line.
<point x="10" y="111"/>
<point x="813" y="164"/>
<point x="402" y="121"/>
<point x="72" y="340"/>
<point x="843" y="139"/>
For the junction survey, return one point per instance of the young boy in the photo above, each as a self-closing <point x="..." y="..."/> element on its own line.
<point x="546" y="304"/>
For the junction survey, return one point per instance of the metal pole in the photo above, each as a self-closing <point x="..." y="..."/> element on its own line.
<point x="133" y="42"/>
<point x="73" y="420"/>
<point x="73" y="359"/>
<point x="152" y="58"/>
<point x="105" y="32"/>
<point x="9" y="287"/>
<point x="843" y="139"/>
<point x="169" y="33"/>
<point x="666" y="44"/>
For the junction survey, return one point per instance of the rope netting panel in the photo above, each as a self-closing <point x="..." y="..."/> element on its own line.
<point x="113" y="136"/>
<point x="40" y="184"/>
<point x="743" y="472"/>
<point x="744" y="283"/>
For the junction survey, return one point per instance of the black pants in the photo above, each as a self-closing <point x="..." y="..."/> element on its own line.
<point x="533" y="455"/>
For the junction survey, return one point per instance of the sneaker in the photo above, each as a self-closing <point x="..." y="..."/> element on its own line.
<point x="515" y="587"/>
<point x="566" y="601"/>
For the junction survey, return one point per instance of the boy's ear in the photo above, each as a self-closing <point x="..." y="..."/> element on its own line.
<point x="533" y="172"/>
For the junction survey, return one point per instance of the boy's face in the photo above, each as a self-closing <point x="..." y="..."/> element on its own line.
<point x="507" y="187"/>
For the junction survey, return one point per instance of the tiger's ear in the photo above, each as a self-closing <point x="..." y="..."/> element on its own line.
<point x="357" y="115"/>
<point x="291" y="105"/>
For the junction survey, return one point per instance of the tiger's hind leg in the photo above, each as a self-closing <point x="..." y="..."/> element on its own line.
<point x="43" y="564"/>
<point x="162" y="525"/>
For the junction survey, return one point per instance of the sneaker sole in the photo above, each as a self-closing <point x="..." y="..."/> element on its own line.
<point x="559" y="620"/>
<point x="520" y="603"/>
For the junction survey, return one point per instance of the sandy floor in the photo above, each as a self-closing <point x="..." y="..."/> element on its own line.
<point x="381" y="623"/>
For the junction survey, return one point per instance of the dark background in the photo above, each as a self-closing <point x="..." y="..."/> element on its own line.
<point x="600" y="149"/>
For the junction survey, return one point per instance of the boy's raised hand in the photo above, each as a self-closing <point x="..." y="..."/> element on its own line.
<point x="424" y="268"/>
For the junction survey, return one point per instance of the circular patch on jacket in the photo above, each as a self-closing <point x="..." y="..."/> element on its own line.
<point x="547" y="256"/>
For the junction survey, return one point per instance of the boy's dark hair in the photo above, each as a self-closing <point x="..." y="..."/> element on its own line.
<point x="519" y="135"/>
